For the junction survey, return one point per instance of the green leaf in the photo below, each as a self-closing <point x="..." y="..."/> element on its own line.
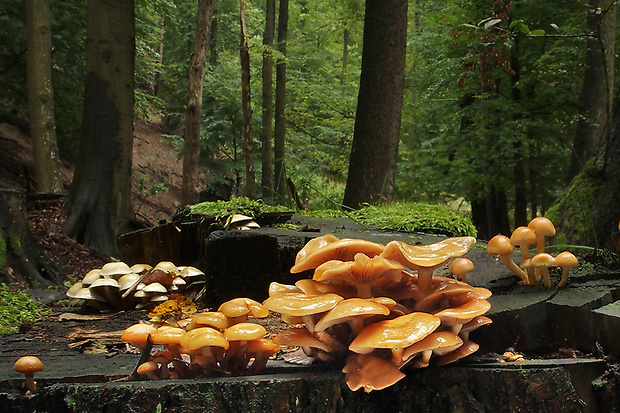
<point x="537" y="32"/>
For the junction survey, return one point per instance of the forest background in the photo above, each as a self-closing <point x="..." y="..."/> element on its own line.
<point x="503" y="102"/>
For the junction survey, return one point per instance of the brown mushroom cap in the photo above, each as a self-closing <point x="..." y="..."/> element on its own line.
<point x="464" y="313"/>
<point x="448" y="294"/>
<point x="565" y="260"/>
<point x="299" y="304"/>
<point x="467" y="348"/>
<point x="301" y="337"/>
<point x="370" y="372"/>
<point x="362" y="272"/>
<point x="350" y="310"/>
<point x="460" y="267"/>
<point x="28" y="365"/>
<point x="203" y="337"/>
<point x="543" y="227"/>
<point x="137" y="334"/>
<point x="399" y="332"/>
<point x="313" y="245"/>
<point x="149" y="369"/>
<point x="242" y="308"/>
<point x="213" y="319"/>
<point x="245" y="331"/>
<point x="472" y="325"/>
<point x="438" y="342"/>
<point x="344" y="250"/>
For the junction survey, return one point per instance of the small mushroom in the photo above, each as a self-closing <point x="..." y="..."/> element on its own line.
<point x="207" y="340"/>
<point x="91" y="276"/>
<point x="213" y="319"/>
<point x="370" y="372"/>
<point x="467" y="348"/>
<point x="260" y="350"/>
<point x="566" y="261"/>
<point x="500" y="246"/>
<point x="460" y="267"/>
<point x="149" y="369"/>
<point x="523" y="237"/>
<point x="352" y="311"/>
<point x="238" y="337"/>
<point x="238" y="310"/>
<point x="137" y="334"/>
<point x="313" y="245"/>
<point x="28" y="366"/>
<point x="472" y="325"/>
<point x="541" y="263"/>
<point x="543" y="227"/>
<point x="454" y="318"/>
<point x="115" y="270"/>
<point x="239" y="221"/>
<point x="107" y="289"/>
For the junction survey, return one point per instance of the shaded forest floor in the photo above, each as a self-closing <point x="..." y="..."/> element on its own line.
<point x="156" y="189"/>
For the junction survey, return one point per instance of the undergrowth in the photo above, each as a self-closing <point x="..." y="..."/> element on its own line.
<point x="17" y="307"/>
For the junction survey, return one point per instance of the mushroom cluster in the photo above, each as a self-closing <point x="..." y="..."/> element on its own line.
<point x="118" y="286"/>
<point x="532" y="268"/>
<point x="376" y="310"/>
<point x="208" y="343"/>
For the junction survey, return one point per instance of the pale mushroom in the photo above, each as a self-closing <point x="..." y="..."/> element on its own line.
<point x="566" y="261"/>
<point x="500" y="246"/>
<point x="107" y="289"/>
<point x="115" y="270"/>
<point x="91" y="276"/>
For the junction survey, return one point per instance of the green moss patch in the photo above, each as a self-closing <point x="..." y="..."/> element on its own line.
<point x="17" y="307"/>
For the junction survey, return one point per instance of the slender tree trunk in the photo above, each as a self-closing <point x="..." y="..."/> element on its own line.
<point x="267" y="118"/>
<point x="191" y="147"/>
<point x="41" y="97"/>
<point x="248" y="147"/>
<point x="379" y="105"/>
<point x="280" y="106"/>
<point x="99" y="205"/>
<point x="592" y="132"/>
<point x="345" y="57"/>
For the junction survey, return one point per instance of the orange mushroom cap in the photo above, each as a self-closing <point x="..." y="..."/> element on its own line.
<point x="137" y="334"/>
<point x="370" y="373"/>
<point x="344" y="250"/>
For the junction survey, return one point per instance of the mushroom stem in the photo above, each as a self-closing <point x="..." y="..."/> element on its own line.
<point x="31" y="385"/>
<point x="508" y="262"/>
<point x="364" y="290"/>
<point x="425" y="280"/>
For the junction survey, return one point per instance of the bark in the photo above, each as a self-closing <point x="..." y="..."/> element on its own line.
<point x="99" y="205"/>
<point x="592" y="132"/>
<point x="377" y="122"/>
<point x="248" y="147"/>
<point x="41" y="97"/>
<point x="280" y="105"/>
<point x="191" y="147"/>
<point x="267" y="115"/>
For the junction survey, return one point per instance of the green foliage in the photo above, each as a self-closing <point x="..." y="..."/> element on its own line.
<point x="17" y="307"/>
<point x="416" y="217"/>
<point x="245" y="206"/>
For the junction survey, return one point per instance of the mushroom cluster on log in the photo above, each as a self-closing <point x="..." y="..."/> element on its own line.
<point x="118" y="286"/>
<point x="377" y="310"/>
<point x="205" y="344"/>
<point x="532" y="269"/>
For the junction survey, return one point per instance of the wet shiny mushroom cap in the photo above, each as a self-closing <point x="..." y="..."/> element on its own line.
<point x="415" y="256"/>
<point x="399" y="332"/>
<point x="28" y="365"/>
<point x="362" y="272"/>
<point x="299" y="304"/>
<point x="313" y="245"/>
<point x="203" y="337"/>
<point x="467" y="348"/>
<point x="438" y="342"/>
<point x="543" y="227"/>
<point x="137" y="334"/>
<point x="243" y="308"/>
<point x="168" y="335"/>
<point x="463" y="313"/>
<point x="245" y="331"/>
<point x="300" y="337"/>
<point x="213" y="319"/>
<point x="343" y="250"/>
<point x="353" y="311"/>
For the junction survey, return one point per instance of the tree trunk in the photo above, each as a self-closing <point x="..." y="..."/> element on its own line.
<point x="41" y="97"/>
<point x="99" y="205"/>
<point x="280" y="119"/>
<point x="267" y="118"/>
<point x="345" y="57"/>
<point x="379" y="105"/>
<point x="191" y="146"/>
<point x="248" y="147"/>
<point x="592" y="132"/>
